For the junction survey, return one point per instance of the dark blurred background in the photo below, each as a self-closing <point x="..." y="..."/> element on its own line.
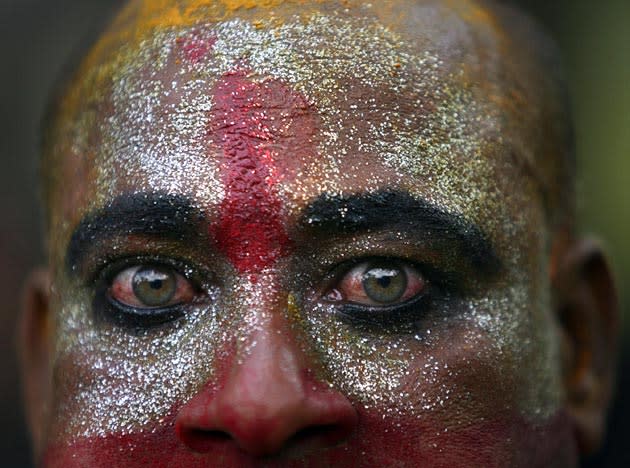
<point x="38" y="36"/>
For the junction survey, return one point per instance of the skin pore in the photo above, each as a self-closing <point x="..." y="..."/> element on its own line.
<point x="314" y="234"/>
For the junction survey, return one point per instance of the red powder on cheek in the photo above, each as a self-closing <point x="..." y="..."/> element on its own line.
<point x="405" y="442"/>
<point x="255" y="124"/>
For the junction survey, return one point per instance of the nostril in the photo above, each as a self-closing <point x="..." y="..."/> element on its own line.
<point x="314" y="432"/>
<point x="203" y="441"/>
<point x="317" y="437"/>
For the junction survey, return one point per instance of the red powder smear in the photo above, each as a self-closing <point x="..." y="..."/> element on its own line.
<point x="196" y="47"/>
<point x="507" y="440"/>
<point x="260" y="127"/>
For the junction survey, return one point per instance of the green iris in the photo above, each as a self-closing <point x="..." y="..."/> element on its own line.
<point x="384" y="285"/>
<point x="154" y="286"/>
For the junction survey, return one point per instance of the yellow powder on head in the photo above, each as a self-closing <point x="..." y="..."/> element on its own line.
<point x="139" y="18"/>
<point x="475" y="14"/>
<point x="150" y="14"/>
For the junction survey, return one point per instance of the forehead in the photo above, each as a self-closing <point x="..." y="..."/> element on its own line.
<point x="341" y="98"/>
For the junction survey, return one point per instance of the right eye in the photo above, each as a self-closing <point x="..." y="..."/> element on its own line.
<point x="151" y="287"/>
<point x="144" y="295"/>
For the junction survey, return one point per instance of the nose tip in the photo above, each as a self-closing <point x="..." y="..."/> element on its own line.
<point x="269" y="404"/>
<point x="277" y="425"/>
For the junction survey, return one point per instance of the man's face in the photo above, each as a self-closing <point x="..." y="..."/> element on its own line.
<point x="307" y="236"/>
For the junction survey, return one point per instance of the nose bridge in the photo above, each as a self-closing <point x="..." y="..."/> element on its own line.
<point x="266" y="375"/>
<point x="265" y="379"/>
<point x="263" y="325"/>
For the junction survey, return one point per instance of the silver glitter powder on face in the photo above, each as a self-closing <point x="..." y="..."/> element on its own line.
<point x="433" y="142"/>
<point x="130" y="380"/>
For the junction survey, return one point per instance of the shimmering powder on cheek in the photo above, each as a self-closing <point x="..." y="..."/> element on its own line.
<point x="117" y="382"/>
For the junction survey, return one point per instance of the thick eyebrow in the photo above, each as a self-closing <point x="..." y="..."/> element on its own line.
<point x="150" y="214"/>
<point x="397" y="211"/>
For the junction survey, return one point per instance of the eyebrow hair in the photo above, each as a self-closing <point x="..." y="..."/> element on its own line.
<point x="153" y="214"/>
<point x="395" y="209"/>
<point x="175" y="217"/>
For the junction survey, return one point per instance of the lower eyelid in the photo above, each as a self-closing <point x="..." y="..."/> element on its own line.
<point x="132" y="318"/>
<point x="404" y="314"/>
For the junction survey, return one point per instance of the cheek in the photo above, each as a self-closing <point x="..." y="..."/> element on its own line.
<point x="109" y="380"/>
<point x="466" y="363"/>
<point x="439" y="401"/>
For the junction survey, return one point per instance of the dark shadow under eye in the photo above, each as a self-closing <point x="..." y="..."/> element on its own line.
<point x="109" y="310"/>
<point x="403" y="315"/>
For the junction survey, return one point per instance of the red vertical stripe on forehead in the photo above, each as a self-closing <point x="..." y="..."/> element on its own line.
<point x="254" y="125"/>
<point x="196" y="46"/>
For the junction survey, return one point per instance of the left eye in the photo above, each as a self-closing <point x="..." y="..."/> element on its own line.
<point x="379" y="283"/>
<point x="150" y="287"/>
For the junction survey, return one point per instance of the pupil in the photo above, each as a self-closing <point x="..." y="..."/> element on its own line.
<point x="156" y="284"/>
<point x="384" y="281"/>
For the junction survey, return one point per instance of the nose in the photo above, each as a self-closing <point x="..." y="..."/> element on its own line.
<point x="269" y="404"/>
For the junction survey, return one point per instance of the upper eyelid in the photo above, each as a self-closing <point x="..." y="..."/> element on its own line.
<point x="348" y="266"/>
<point x="337" y="272"/>
<point x="140" y="266"/>
<point x="120" y="250"/>
<point x="432" y="256"/>
<point x="346" y="252"/>
<point x="376" y="262"/>
<point x="155" y="214"/>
